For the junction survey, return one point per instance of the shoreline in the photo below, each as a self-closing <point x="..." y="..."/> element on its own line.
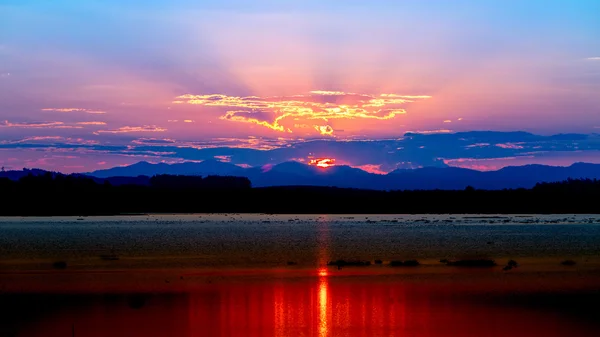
<point x="484" y="215"/>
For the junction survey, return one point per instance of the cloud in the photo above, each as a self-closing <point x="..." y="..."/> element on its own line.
<point x="39" y="125"/>
<point x="152" y="141"/>
<point x="32" y="139"/>
<point x="477" y="145"/>
<point x="74" y="110"/>
<point x="279" y="112"/>
<point x="91" y="123"/>
<point x="325" y="130"/>
<point x="224" y="159"/>
<point x="183" y="121"/>
<point x="48" y="141"/>
<point x="476" y="149"/>
<point x="509" y="146"/>
<point x="129" y="129"/>
<point x="376" y="169"/>
<point x="447" y="121"/>
<point x="593" y="59"/>
<point x="427" y="132"/>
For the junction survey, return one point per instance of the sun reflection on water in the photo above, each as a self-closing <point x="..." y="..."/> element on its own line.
<point x="323" y="289"/>
<point x="323" y="297"/>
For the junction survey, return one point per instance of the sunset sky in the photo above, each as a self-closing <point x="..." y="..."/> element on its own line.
<point x="91" y="84"/>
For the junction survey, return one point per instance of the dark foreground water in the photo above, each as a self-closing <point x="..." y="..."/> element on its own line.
<point x="228" y="275"/>
<point x="323" y="306"/>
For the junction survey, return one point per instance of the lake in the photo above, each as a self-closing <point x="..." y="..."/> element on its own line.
<point x="267" y="275"/>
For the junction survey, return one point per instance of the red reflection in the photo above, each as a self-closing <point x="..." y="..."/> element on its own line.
<point x="317" y="306"/>
<point x="323" y="305"/>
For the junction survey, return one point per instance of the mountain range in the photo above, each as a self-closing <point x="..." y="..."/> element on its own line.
<point x="298" y="174"/>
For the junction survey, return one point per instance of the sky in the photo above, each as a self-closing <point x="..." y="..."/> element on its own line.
<point x="86" y="85"/>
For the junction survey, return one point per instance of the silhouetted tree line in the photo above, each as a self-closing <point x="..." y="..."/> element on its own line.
<point x="76" y="195"/>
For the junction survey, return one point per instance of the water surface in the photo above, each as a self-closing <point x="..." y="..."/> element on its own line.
<point x="231" y="275"/>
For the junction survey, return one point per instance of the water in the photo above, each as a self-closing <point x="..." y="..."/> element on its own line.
<point x="272" y="240"/>
<point x="228" y="275"/>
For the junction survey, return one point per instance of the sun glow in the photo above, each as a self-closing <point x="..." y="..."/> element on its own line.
<point x="322" y="162"/>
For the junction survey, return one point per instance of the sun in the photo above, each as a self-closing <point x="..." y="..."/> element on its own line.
<point x="322" y="162"/>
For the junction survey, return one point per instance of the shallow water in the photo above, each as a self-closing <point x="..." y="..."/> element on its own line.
<point x="227" y="275"/>
<point x="311" y="240"/>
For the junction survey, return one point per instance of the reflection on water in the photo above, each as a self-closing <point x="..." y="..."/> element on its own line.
<point x="323" y="247"/>
<point x="321" y="306"/>
<point x="323" y="312"/>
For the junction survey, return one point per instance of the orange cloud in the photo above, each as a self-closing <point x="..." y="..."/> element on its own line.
<point x="325" y="130"/>
<point x="274" y="112"/>
<point x="128" y="129"/>
<point x="74" y="110"/>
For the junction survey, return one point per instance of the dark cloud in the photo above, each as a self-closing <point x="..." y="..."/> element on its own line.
<point x="467" y="149"/>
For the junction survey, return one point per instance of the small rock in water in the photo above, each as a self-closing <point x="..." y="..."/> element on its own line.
<point x="407" y="263"/>
<point x="59" y="265"/>
<point x="472" y="263"/>
<point x="344" y="263"/>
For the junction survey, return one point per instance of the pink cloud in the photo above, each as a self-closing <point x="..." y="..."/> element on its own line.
<point x="371" y="168"/>
<point x="91" y="123"/>
<point x="427" y="132"/>
<point x="225" y="159"/>
<point x="509" y="146"/>
<point x="478" y="145"/>
<point x="39" y="125"/>
<point x="89" y="111"/>
<point x="130" y="129"/>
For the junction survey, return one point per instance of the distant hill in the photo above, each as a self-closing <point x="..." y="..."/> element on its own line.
<point x="299" y="174"/>
<point x="207" y="167"/>
<point x="16" y="175"/>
